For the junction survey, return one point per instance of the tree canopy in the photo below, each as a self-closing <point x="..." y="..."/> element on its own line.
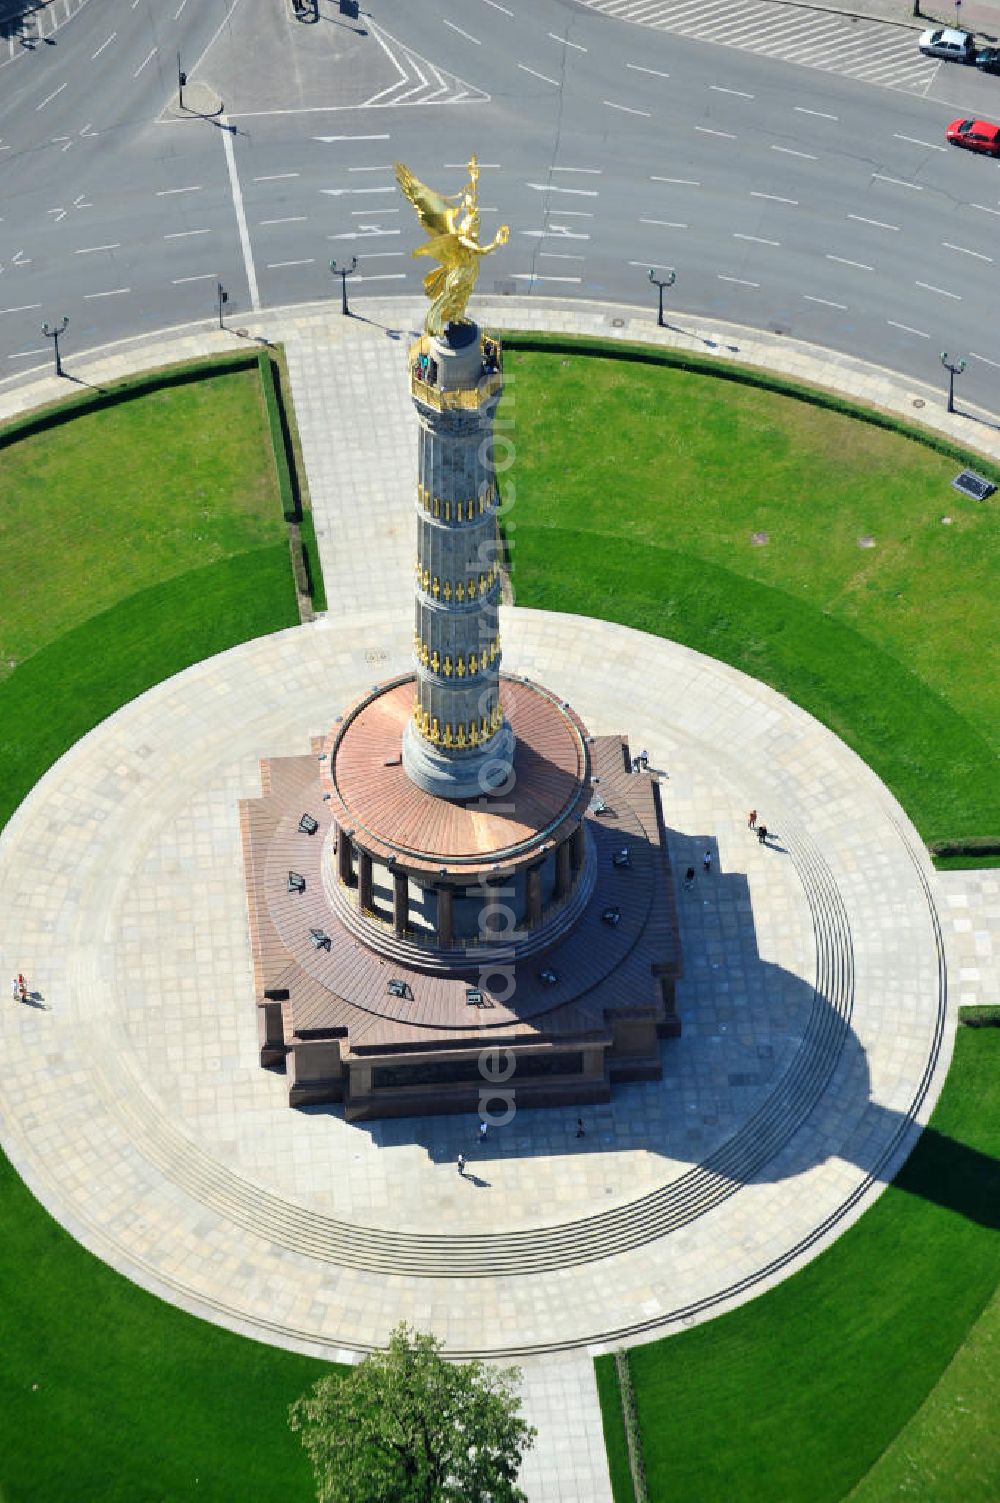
<point x="405" y="1426"/>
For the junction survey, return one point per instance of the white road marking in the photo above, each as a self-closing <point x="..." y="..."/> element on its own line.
<point x="627" y="109"/>
<point x="145" y="60"/>
<point x="103" y="45"/>
<point x="590" y="171"/>
<point x="775" y="198"/>
<point x="385" y="167"/>
<point x="667" y="224"/>
<point x="637" y="68"/>
<point x="339" y="192"/>
<point x="787" y="151"/>
<point x="287" y="219"/>
<point x="656" y="266"/>
<point x="363" y="233"/>
<point x="740" y="281"/>
<point x="554" y="188"/>
<point x="907" y="330"/>
<point x="800" y="109"/>
<point x="683" y="182"/>
<point x="577" y="213"/>
<point x="49" y="97"/>
<point x="543" y="76"/>
<point x="384" y="255"/>
<point x="24" y="308"/>
<point x="897" y="182"/>
<point x="962" y="249"/>
<point x="956" y="297"/>
<point x="166" y="192"/>
<point x="718" y="89"/>
<point x="241" y="218"/>
<point x="495" y="5"/>
<point x="270" y="177"/>
<point x="974" y="356"/>
<point x="327" y="139"/>
<point x="68" y="140"/>
<point x="557" y="256"/>
<point x="533" y="276"/>
<point x="185" y="234"/>
<point x="467" y="35"/>
<point x="177" y="12"/>
<point x="205" y="276"/>
<point x="23" y="354"/>
<point x="384" y="276"/>
<point x="843" y="261"/>
<point x="842" y="307"/>
<point x="566" y="43"/>
<point x="115" y="292"/>
<point x="928" y="145"/>
<point x="276" y="265"/>
<point x="878" y="223"/>
<point x="89" y="250"/>
<point x="558" y="230"/>
<point x="757" y="239"/>
<point x="706" y="130"/>
<point x="357" y="213"/>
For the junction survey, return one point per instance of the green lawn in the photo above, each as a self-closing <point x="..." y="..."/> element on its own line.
<point x="639" y="491"/>
<point x="795" y="1395"/>
<point x="136" y="540"/>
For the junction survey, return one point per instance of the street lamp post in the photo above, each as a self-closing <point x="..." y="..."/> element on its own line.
<point x="660" y="283"/>
<point x="954" y="368"/>
<point x="182" y="79"/>
<point x="54" y="334"/>
<point x="223" y="300"/>
<point x="343" y="272"/>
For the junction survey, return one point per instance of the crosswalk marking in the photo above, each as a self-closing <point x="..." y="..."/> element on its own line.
<point x="869" y="51"/>
<point x="35" y="25"/>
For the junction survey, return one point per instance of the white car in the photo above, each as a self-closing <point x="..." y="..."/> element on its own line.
<point x="958" y="46"/>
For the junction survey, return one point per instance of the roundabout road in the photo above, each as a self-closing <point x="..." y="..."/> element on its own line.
<point x="791" y="197"/>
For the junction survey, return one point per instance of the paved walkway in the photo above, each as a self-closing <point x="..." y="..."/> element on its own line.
<point x="813" y="1002"/>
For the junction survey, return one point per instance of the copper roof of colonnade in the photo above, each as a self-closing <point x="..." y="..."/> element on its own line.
<point x="390" y="816"/>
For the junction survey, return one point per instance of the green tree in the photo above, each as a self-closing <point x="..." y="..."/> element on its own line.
<point x="405" y="1426"/>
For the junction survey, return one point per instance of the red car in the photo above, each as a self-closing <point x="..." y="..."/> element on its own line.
<point x="977" y="135"/>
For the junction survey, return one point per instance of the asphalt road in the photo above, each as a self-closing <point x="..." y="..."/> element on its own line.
<point x="785" y="197"/>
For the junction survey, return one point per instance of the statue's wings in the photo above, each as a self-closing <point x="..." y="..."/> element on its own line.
<point x="436" y="216"/>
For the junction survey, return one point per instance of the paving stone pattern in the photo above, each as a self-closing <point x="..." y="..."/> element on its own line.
<point x="816" y="1026"/>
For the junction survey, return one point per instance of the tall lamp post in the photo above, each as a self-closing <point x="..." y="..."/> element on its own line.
<point x="54" y="334"/>
<point x="343" y="272"/>
<point x="182" y="79"/>
<point x="954" y="368"/>
<point x="223" y="296"/>
<point x="660" y="283"/>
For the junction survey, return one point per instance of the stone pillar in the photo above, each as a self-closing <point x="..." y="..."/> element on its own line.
<point x="564" y="869"/>
<point x="445" y="917"/>
<point x="533" y="885"/>
<point x="364" y="881"/>
<point x="345" y="871"/>
<point x="400" y="903"/>
<point x="458" y="743"/>
<point x="578" y="845"/>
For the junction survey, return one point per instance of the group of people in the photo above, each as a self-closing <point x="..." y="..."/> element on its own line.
<point x="641" y="762"/>
<point x="19" y="988"/>
<point x="426" y="369"/>
<point x="760" y="830"/>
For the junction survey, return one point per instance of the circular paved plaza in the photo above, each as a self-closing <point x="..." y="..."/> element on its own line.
<point x="813" y="1006"/>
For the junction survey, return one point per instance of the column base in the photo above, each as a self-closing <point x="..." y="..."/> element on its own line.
<point x="459" y="774"/>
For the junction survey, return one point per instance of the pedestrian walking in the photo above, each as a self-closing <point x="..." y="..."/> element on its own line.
<point x="483" y="1128"/>
<point x="580" y="1132"/>
<point x="461" y="1163"/>
<point x="752" y="819"/>
<point x="644" y="760"/>
<point x="762" y="833"/>
<point x="689" y="879"/>
<point x="706" y="861"/>
<point x="15" y="989"/>
<point x="22" y="988"/>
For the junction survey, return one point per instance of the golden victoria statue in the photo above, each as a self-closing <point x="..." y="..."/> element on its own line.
<point x="452" y="222"/>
